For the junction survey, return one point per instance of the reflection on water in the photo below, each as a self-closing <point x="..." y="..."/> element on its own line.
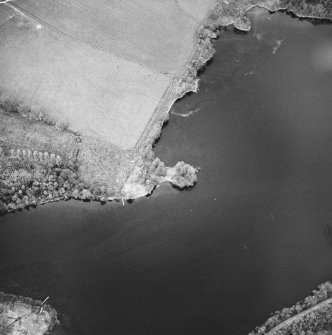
<point x="328" y="233"/>
<point x="323" y="56"/>
<point x="252" y="236"/>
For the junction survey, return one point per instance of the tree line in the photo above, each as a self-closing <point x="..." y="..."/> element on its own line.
<point x="319" y="8"/>
<point x="29" y="184"/>
<point x="311" y="323"/>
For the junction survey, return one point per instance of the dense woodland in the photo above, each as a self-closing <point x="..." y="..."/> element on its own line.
<point x="319" y="8"/>
<point x="203" y="53"/>
<point x="315" y="8"/>
<point x="40" y="179"/>
<point x="26" y="183"/>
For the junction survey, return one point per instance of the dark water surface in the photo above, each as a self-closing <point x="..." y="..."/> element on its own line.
<point x="255" y="234"/>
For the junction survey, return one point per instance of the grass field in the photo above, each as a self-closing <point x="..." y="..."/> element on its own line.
<point x="198" y="9"/>
<point x="96" y="93"/>
<point x="154" y="33"/>
<point x="5" y="14"/>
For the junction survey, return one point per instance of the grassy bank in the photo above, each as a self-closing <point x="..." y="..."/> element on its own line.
<point x="25" y="316"/>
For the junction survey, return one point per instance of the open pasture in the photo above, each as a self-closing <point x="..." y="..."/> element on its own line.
<point x="154" y="33"/>
<point x="198" y="9"/>
<point x="6" y="13"/>
<point x="96" y="93"/>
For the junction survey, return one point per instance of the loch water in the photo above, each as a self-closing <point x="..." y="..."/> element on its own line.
<point x="255" y="233"/>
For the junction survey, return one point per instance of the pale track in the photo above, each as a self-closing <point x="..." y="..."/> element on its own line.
<point x="289" y="321"/>
<point x="5" y="21"/>
<point x="3" y="3"/>
<point x="79" y="40"/>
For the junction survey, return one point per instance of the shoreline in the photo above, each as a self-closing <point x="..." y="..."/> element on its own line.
<point x="162" y="111"/>
<point x="185" y="83"/>
<point x="20" y="314"/>
<point x="294" y="318"/>
<point x="141" y="171"/>
<point x="310" y="314"/>
<point x="306" y="17"/>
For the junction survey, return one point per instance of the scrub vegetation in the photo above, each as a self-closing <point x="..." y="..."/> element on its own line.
<point x="313" y="315"/>
<point x="148" y="170"/>
<point x="227" y="13"/>
<point x="234" y="12"/>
